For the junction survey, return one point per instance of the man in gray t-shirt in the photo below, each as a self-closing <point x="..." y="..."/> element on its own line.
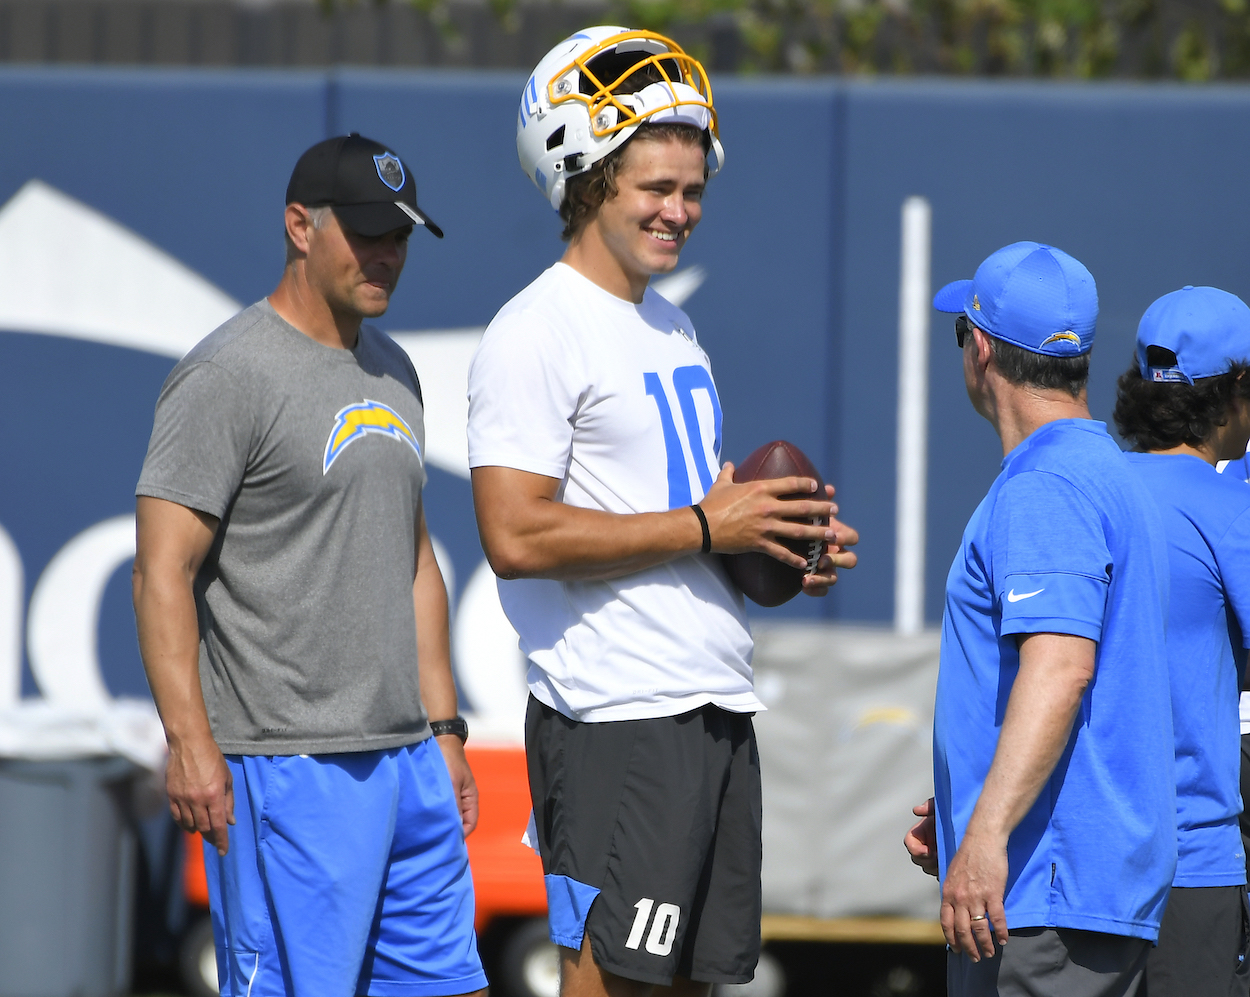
<point x="293" y="620"/>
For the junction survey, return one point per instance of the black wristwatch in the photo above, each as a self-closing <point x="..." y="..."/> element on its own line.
<point x="456" y="725"/>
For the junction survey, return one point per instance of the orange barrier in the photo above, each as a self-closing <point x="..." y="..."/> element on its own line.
<point x="194" y="881"/>
<point x="507" y="875"/>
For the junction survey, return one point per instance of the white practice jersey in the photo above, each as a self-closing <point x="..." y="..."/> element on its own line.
<point x="615" y="400"/>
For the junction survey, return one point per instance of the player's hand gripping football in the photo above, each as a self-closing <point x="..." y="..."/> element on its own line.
<point x="750" y="516"/>
<point x="818" y="582"/>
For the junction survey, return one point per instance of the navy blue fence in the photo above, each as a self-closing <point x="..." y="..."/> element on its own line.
<point x="800" y="244"/>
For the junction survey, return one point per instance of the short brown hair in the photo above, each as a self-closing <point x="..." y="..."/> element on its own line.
<point x="585" y="193"/>
<point x="1160" y="415"/>
<point x="1040" y="370"/>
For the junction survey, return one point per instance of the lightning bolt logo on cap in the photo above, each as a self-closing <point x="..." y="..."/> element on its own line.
<point x="353" y="421"/>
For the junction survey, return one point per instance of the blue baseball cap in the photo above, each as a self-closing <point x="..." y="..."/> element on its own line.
<point x="1208" y="330"/>
<point x="1032" y="295"/>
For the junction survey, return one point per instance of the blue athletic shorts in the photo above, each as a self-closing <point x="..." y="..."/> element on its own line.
<point x="346" y="875"/>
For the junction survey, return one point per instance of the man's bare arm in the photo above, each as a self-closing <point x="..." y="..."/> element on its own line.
<point x="438" y="687"/>
<point x="528" y="533"/>
<point x="171" y="544"/>
<point x="1055" y="670"/>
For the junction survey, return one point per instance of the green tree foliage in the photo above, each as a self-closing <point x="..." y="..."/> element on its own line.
<point x="1193" y="40"/>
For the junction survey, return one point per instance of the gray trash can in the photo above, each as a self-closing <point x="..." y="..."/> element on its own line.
<point x="67" y="871"/>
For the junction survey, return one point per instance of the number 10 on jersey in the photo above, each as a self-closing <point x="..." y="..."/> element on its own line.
<point x="686" y="381"/>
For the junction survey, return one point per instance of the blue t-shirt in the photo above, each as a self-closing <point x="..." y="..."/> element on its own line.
<point x="1206" y="520"/>
<point x="1239" y="468"/>
<point x="1067" y="541"/>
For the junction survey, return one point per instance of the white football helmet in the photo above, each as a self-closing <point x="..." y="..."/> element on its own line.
<point x="592" y="91"/>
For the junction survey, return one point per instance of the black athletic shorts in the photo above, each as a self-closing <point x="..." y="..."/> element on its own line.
<point x="1204" y="943"/>
<point x="1244" y="818"/>
<point x="650" y="839"/>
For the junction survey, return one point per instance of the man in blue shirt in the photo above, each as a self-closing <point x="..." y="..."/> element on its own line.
<point x="1185" y="403"/>
<point x="1239" y="470"/>
<point x="1053" y="823"/>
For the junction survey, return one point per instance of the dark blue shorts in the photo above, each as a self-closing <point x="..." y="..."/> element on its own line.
<point x="347" y="875"/>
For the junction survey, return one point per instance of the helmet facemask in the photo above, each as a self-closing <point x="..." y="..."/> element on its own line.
<point x="613" y="77"/>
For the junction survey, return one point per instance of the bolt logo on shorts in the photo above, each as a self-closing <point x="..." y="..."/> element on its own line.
<point x="354" y="421"/>
<point x="390" y="170"/>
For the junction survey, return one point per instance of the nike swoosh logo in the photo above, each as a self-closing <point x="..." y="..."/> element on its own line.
<point x="1012" y="597"/>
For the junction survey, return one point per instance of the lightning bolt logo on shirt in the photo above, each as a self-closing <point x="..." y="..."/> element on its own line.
<point x="353" y="421"/>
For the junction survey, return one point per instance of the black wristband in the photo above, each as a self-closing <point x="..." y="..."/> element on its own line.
<point x="458" y="726"/>
<point x="707" y="533"/>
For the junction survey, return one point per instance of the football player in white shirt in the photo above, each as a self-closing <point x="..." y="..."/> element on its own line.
<point x="594" y="438"/>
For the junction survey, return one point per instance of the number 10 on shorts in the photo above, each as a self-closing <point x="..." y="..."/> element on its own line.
<point x="663" y="927"/>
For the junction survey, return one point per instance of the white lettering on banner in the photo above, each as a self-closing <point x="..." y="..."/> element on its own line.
<point x="106" y="285"/>
<point x="446" y="568"/>
<point x="64" y="615"/>
<point x="643" y="907"/>
<point x="61" y="629"/>
<point x="12" y="597"/>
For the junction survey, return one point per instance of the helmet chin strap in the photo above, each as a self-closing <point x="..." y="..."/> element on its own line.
<point x="716" y="157"/>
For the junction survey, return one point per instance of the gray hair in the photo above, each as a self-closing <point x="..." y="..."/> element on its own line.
<point x="317" y="216"/>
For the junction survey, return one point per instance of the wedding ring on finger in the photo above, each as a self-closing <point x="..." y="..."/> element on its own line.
<point x="979" y="917"/>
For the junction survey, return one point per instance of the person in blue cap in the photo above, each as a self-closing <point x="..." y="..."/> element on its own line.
<point x="1238" y="469"/>
<point x="1053" y="821"/>
<point x="1185" y="404"/>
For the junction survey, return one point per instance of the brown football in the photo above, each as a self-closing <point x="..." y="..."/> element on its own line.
<point x="763" y="579"/>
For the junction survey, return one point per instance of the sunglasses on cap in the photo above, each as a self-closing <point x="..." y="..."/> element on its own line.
<point x="962" y="328"/>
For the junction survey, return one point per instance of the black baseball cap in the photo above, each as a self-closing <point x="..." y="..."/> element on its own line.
<point x="370" y="188"/>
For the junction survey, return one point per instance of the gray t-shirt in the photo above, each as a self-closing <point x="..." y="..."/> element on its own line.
<point x="311" y="458"/>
